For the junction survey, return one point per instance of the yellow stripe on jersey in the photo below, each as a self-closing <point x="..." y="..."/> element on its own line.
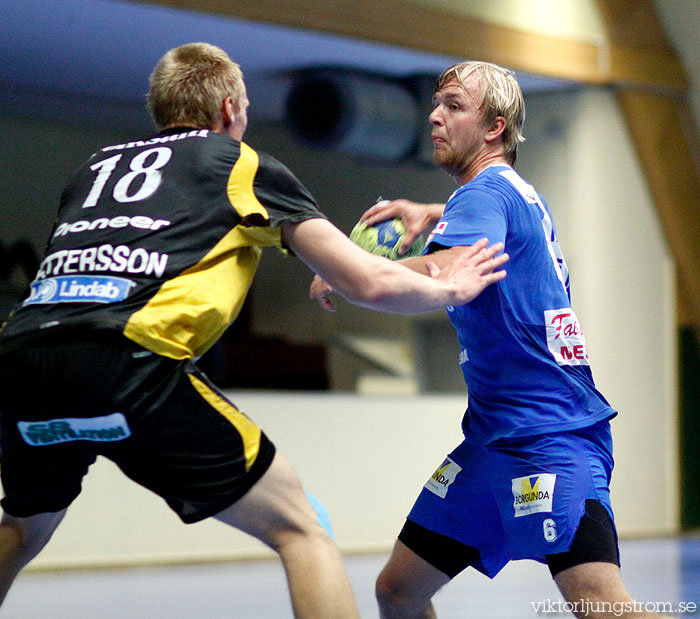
<point x="240" y="184"/>
<point x="191" y="311"/>
<point x="250" y="433"/>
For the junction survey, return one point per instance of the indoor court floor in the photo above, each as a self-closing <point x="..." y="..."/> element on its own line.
<point x="661" y="572"/>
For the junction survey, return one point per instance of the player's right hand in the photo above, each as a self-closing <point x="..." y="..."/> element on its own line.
<point x="473" y="269"/>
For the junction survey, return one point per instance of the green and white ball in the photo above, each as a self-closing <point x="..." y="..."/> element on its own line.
<point x="384" y="239"/>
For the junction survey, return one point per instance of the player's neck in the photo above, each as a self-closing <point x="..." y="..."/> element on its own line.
<point x="479" y="164"/>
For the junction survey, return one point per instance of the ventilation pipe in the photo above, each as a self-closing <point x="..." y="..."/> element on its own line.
<point x="354" y="113"/>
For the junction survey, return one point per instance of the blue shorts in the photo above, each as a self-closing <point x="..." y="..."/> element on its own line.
<point x="518" y="499"/>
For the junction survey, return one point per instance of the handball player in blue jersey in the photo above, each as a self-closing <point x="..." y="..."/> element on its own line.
<point x="531" y="478"/>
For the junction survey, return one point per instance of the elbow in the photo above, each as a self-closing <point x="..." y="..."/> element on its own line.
<point x="374" y="290"/>
<point x="371" y="293"/>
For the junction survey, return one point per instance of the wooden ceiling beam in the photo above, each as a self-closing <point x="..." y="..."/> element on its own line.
<point x="405" y="24"/>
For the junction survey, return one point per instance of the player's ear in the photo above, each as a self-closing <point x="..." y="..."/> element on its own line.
<point x="228" y="113"/>
<point x="497" y="128"/>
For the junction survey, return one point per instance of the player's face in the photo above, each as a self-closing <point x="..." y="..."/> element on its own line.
<point x="458" y="128"/>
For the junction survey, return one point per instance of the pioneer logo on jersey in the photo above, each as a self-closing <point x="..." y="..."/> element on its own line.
<point x="137" y="221"/>
<point x="533" y="494"/>
<point x="564" y="337"/>
<point x="79" y="289"/>
<point x="443" y="477"/>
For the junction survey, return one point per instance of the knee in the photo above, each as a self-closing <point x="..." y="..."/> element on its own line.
<point x="11" y="541"/>
<point x="21" y="539"/>
<point x="390" y="595"/>
<point x="11" y="536"/>
<point x="303" y="529"/>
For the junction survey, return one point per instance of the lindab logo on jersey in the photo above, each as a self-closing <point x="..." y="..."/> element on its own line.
<point x="79" y="289"/>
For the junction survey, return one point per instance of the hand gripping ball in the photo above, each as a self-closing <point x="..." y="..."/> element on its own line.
<point x="384" y="239"/>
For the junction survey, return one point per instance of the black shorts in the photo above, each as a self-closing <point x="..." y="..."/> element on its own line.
<point x="64" y="402"/>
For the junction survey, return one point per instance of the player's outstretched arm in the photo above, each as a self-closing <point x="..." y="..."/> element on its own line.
<point x="375" y="282"/>
<point x="442" y="258"/>
<point x="417" y="218"/>
<point x="321" y="290"/>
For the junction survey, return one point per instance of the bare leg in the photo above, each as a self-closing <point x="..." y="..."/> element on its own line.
<point x="599" y="592"/>
<point x="406" y="585"/>
<point x="277" y="512"/>
<point x="21" y="539"/>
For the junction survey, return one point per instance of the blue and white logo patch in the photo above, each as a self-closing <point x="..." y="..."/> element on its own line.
<point x="443" y="477"/>
<point x="79" y="289"/>
<point x="99" y="429"/>
<point x="533" y="494"/>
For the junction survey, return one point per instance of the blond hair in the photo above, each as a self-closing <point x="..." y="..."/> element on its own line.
<point x="189" y="85"/>
<point x="499" y="95"/>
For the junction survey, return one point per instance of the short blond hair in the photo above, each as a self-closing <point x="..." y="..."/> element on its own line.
<point x="499" y="95"/>
<point x="189" y="84"/>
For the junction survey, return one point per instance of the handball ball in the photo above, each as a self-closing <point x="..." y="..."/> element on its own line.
<point x="384" y="239"/>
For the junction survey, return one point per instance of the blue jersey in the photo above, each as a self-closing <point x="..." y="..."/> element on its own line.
<point x="523" y="353"/>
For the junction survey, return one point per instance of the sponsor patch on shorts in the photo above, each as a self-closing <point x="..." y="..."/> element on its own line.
<point x="443" y="477"/>
<point x="107" y="428"/>
<point x="533" y="493"/>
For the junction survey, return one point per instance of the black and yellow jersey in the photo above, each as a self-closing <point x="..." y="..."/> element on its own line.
<point x="160" y="239"/>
